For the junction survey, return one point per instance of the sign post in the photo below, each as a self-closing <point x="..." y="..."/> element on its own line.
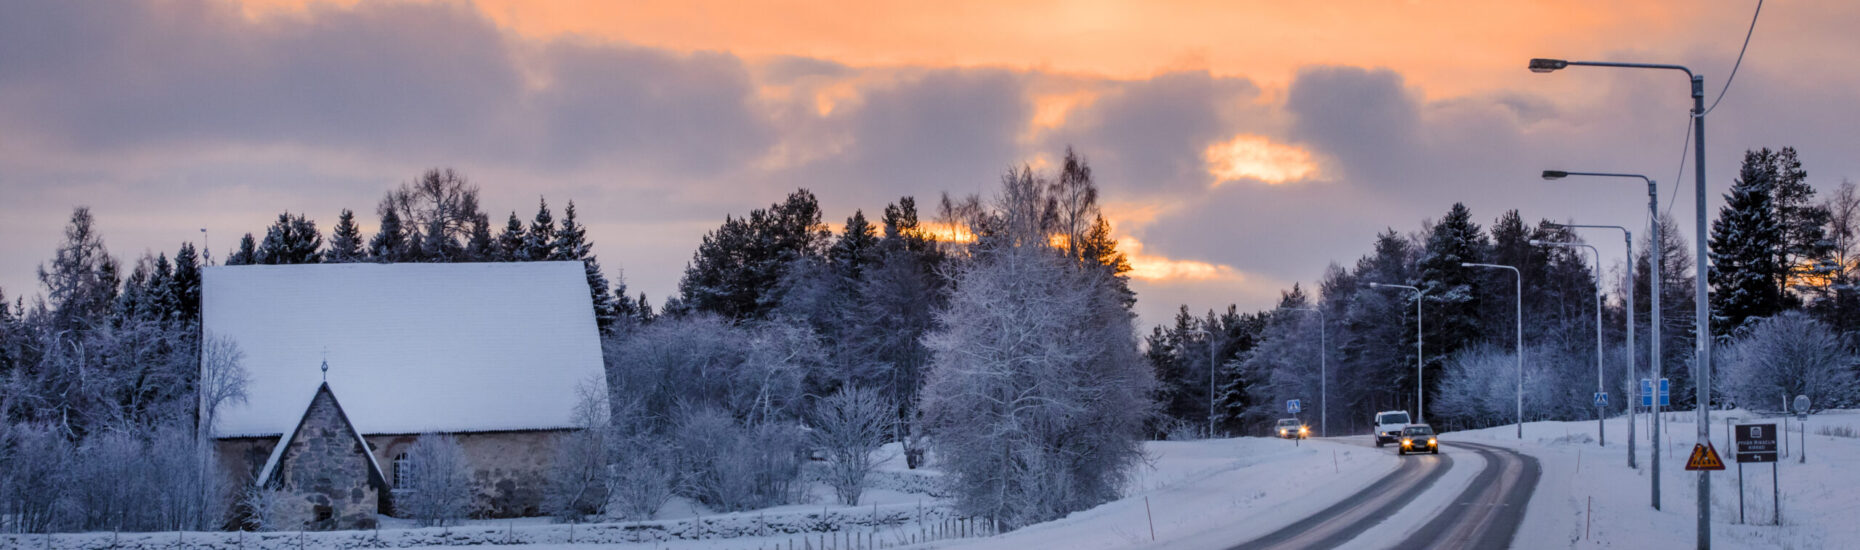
<point x="1757" y="443"/>
<point x="1801" y="415"/>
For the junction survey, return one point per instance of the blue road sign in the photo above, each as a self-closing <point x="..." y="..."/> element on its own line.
<point x="1291" y="406"/>
<point x="1601" y="399"/>
<point x="1646" y="393"/>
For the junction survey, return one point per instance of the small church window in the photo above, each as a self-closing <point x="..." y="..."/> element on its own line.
<point x="402" y="470"/>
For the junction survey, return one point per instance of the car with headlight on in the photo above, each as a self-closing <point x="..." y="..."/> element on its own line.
<point x="1291" y="428"/>
<point x="1389" y="425"/>
<point x="1419" y="438"/>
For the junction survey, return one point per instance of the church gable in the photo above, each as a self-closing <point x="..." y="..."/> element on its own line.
<point x="323" y="468"/>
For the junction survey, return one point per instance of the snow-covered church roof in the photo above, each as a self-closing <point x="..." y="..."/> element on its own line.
<point x="412" y="348"/>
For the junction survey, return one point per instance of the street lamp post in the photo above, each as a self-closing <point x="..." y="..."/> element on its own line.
<point x="1213" y="352"/>
<point x="1420" y="391"/>
<point x="1601" y="427"/>
<point x="1323" y="372"/>
<point x="1700" y="292"/>
<point x="1655" y="262"/>
<point x="1520" y="284"/>
<point x="1628" y="238"/>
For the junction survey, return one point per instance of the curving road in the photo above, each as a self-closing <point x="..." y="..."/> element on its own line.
<point x="1484" y="515"/>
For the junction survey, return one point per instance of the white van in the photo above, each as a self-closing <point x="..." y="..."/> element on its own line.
<point x="1389" y="425"/>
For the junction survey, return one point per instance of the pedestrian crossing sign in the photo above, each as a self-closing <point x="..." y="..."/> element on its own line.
<point x="1704" y="457"/>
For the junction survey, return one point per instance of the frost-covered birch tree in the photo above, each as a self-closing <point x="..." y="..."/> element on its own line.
<point x="1035" y="399"/>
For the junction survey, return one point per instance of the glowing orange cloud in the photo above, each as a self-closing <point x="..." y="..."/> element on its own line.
<point x="1248" y="156"/>
<point x="1149" y="267"/>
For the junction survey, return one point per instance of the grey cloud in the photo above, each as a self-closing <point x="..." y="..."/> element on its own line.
<point x="1148" y="136"/>
<point x="1365" y="118"/>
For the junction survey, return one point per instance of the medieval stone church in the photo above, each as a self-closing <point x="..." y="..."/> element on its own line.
<point x="349" y="364"/>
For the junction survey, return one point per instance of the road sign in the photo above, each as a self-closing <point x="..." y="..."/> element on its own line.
<point x="1704" y="457"/>
<point x="1645" y="392"/>
<point x="1601" y="399"/>
<point x="1666" y="393"/>
<point x="1756" y="442"/>
<point x="1292" y="406"/>
<point x="1801" y="407"/>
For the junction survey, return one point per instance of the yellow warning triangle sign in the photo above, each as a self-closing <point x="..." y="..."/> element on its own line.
<point x="1704" y="457"/>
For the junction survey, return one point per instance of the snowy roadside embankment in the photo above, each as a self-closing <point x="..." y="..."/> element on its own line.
<point x="1589" y="498"/>
<point x="1210" y="494"/>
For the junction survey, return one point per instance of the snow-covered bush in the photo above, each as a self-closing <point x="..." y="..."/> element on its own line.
<point x="1787" y="355"/>
<point x="34" y="472"/>
<point x="849" y="425"/>
<point x="578" y="477"/>
<point x="643" y="465"/>
<point x="438" y="481"/>
<point x="257" y="507"/>
<point x="731" y="467"/>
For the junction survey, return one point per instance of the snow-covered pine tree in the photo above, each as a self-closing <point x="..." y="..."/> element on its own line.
<point x="1806" y="249"/>
<point x="509" y="245"/>
<point x="1452" y="291"/>
<point x="479" y="247"/>
<point x="247" y="253"/>
<point x="571" y="244"/>
<point x="390" y="244"/>
<point x="291" y="240"/>
<point x="345" y="240"/>
<point x="187" y="283"/>
<point x="539" y="242"/>
<point x="1747" y="242"/>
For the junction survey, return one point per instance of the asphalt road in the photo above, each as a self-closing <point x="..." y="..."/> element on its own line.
<point x="1484" y="515"/>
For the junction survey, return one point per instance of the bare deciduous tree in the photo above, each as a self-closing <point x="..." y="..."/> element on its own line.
<point x="438" y="481"/>
<point x="850" y="425"/>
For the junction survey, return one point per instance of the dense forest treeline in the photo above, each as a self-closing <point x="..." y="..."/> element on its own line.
<point x="1002" y="344"/>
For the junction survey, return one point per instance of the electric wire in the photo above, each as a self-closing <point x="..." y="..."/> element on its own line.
<point x="1740" y="59"/>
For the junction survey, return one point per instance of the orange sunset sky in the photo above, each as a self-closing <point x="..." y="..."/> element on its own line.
<point x="1241" y="146"/>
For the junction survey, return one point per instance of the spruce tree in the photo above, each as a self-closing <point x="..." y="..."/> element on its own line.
<point x="187" y="283"/>
<point x="479" y="247"/>
<point x="345" y="241"/>
<point x="571" y="244"/>
<point x="291" y="240"/>
<point x="247" y="253"/>
<point x="856" y="247"/>
<point x="1807" y="251"/>
<point x="738" y="267"/>
<point x="509" y="247"/>
<point x="539" y="242"/>
<point x="1452" y="291"/>
<point x="1747" y="244"/>
<point x="390" y="244"/>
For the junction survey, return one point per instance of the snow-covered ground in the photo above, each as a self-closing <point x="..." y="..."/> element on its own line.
<point x="1820" y="498"/>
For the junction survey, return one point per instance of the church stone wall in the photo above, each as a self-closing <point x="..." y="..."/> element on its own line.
<point x="324" y="475"/>
<point x="509" y="469"/>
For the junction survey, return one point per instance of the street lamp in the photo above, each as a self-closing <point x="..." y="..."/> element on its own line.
<point x="1520" y="284"/>
<point x="1655" y="264"/>
<point x="1420" y="393"/>
<point x="1601" y="428"/>
<point x="1627" y="237"/>
<point x="1323" y="372"/>
<point x="1700" y="292"/>
<point x="1213" y="351"/>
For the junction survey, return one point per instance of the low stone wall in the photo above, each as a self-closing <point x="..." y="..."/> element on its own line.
<point x="899" y="518"/>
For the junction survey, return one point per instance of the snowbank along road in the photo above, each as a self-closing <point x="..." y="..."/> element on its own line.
<point x="1485" y="514"/>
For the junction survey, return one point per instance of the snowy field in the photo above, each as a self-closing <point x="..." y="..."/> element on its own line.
<point x="1819" y="499"/>
<point x="1216" y="493"/>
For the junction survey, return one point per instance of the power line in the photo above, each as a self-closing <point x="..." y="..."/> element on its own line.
<point x="1740" y="58"/>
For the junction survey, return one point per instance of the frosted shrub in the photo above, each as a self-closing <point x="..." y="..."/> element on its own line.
<point x="1788" y="355"/>
<point x="438" y="481"/>
<point x="643" y="467"/>
<point x="849" y="426"/>
<point x="34" y="471"/>
<point x="578" y="477"/>
<point x="731" y="467"/>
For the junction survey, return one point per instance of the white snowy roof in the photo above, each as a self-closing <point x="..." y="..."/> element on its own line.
<point x="414" y="348"/>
